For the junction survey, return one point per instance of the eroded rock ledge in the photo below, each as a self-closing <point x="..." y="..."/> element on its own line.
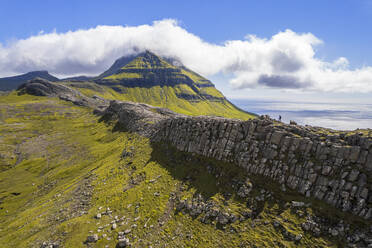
<point x="334" y="168"/>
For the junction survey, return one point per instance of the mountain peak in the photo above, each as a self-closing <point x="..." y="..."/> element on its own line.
<point x="147" y="70"/>
<point x="147" y="60"/>
<point x="148" y="54"/>
<point x="147" y="57"/>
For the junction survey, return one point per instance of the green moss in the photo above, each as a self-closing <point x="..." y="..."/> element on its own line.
<point x="184" y="89"/>
<point x="59" y="146"/>
<point x="122" y="75"/>
<point x="166" y="97"/>
<point x="195" y="77"/>
<point x="145" y="63"/>
<point x="211" y="91"/>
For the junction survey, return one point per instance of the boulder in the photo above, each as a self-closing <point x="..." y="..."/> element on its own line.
<point x="123" y="242"/>
<point x="222" y="219"/>
<point x="297" y="204"/>
<point x="92" y="238"/>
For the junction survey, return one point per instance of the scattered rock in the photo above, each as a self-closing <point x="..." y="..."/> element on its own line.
<point x="276" y="224"/>
<point x="92" y="238"/>
<point x="47" y="244"/>
<point x="245" y="189"/>
<point x="333" y="232"/>
<point x="297" y="204"/>
<point x="222" y="219"/>
<point x="123" y="242"/>
<point x="126" y="153"/>
<point x="298" y="237"/>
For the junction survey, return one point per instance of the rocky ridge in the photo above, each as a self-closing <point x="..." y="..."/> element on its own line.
<point x="42" y="87"/>
<point x="334" y="172"/>
<point x="334" y="169"/>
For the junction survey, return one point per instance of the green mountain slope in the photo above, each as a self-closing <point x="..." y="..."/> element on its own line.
<point x="64" y="177"/>
<point x="150" y="79"/>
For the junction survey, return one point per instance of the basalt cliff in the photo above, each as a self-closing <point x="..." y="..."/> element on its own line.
<point x="336" y="169"/>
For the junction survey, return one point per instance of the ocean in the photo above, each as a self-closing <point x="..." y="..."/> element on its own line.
<point x="340" y="116"/>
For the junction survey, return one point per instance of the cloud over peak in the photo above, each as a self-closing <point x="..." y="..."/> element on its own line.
<point x="285" y="60"/>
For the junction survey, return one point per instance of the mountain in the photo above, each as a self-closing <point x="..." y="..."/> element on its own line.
<point x="149" y="70"/>
<point x="11" y="83"/>
<point x="148" y="78"/>
<point x="118" y="64"/>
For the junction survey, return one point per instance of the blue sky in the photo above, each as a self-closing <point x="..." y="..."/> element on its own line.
<point x="328" y="39"/>
<point x="343" y="25"/>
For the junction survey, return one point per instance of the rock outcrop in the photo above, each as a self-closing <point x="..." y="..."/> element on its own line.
<point x="138" y="117"/>
<point x="335" y="169"/>
<point x="42" y="87"/>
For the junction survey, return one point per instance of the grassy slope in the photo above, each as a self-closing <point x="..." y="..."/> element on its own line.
<point x="60" y="149"/>
<point x="166" y="97"/>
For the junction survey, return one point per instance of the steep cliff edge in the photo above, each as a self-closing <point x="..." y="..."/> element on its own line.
<point x="335" y="169"/>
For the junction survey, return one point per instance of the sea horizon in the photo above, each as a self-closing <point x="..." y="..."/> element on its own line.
<point x="338" y="116"/>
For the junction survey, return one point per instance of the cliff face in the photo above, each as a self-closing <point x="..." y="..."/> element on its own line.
<point x="335" y="169"/>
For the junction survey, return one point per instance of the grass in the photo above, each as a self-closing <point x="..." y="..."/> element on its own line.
<point x="148" y="63"/>
<point x="195" y="77"/>
<point x="60" y="145"/>
<point x="211" y="91"/>
<point x="184" y="89"/>
<point x="60" y="154"/>
<point x="124" y="75"/>
<point x="166" y="97"/>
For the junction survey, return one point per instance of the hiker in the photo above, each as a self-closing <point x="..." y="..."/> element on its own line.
<point x="280" y="118"/>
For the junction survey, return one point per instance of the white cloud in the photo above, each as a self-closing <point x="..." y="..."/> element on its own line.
<point x="286" y="60"/>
